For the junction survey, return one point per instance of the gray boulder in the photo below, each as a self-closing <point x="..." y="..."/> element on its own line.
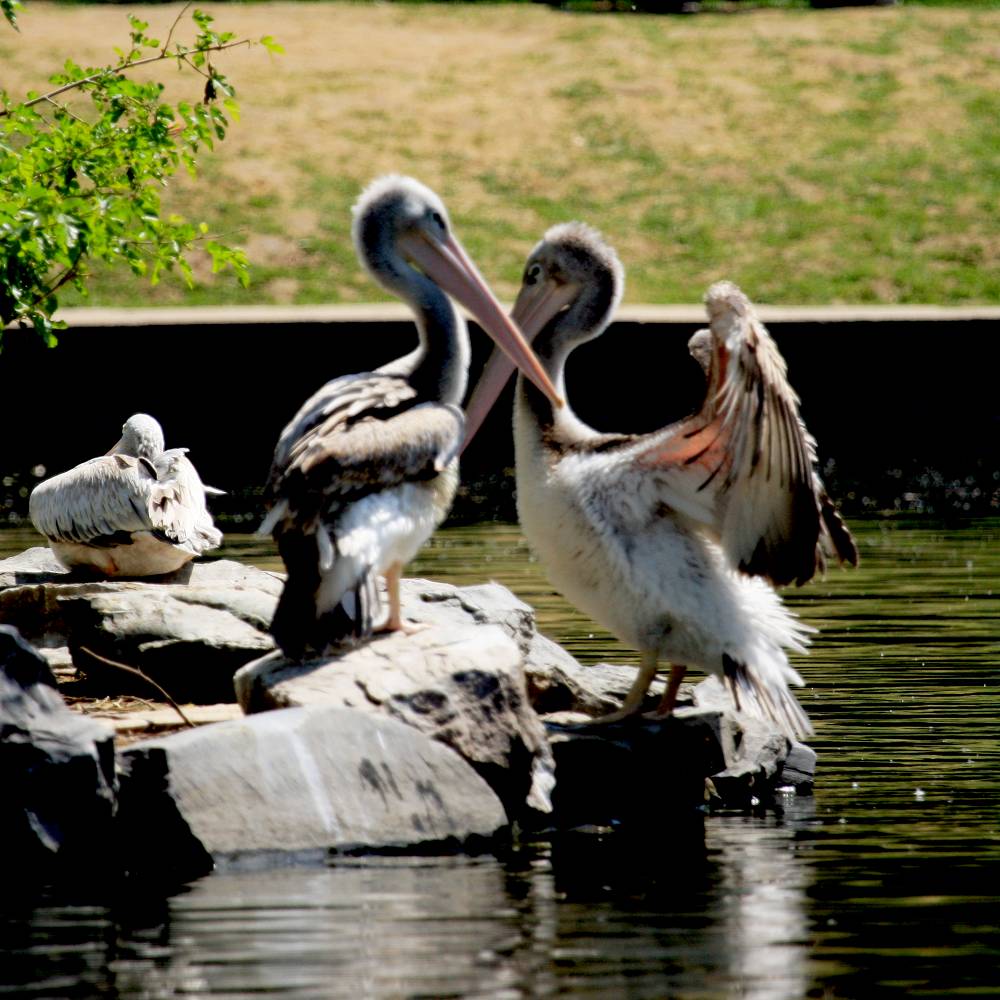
<point x="798" y="770"/>
<point x="58" y="800"/>
<point x="744" y="759"/>
<point x="459" y="684"/>
<point x="756" y="754"/>
<point x="188" y="632"/>
<point x="445" y="605"/>
<point x="565" y="686"/>
<point x="636" y="773"/>
<point x="33" y="566"/>
<point x="298" y="780"/>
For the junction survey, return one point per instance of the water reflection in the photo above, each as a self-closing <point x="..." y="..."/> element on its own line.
<point x="579" y="916"/>
<point x="765" y="880"/>
<point x="884" y="884"/>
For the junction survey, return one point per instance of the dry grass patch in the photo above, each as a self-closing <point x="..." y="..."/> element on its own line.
<point x="814" y="156"/>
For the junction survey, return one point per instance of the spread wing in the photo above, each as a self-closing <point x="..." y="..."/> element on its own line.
<point x="746" y="455"/>
<point x="357" y="435"/>
<point x="96" y="501"/>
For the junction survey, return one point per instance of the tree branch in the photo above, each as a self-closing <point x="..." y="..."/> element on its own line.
<point x="173" y="27"/>
<point x="123" y="68"/>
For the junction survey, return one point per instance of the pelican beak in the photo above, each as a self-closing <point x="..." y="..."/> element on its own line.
<point x="446" y="263"/>
<point x="116" y="448"/>
<point x="536" y="304"/>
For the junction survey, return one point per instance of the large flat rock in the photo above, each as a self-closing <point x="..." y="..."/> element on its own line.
<point x="460" y="684"/>
<point x="302" y="779"/>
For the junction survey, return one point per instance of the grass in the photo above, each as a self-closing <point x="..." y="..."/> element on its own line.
<point x="814" y="156"/>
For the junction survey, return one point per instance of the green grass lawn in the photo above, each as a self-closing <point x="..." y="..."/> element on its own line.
<point x="813" y="156"/>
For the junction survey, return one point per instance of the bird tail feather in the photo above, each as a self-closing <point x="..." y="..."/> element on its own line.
<point x="771" y="702"/>
<point x="328" y="600"/>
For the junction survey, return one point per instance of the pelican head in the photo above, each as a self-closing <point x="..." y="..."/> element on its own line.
<point x="572" y="284"/>
<point x="574" y="274"/>
<point x="700" y="347"/>
<point x="391" y="217"/>
<point x="402" y="233"/>
<point x="142" y="437"/>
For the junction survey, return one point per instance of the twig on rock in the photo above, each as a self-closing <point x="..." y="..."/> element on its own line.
<point x="149" y="680"/>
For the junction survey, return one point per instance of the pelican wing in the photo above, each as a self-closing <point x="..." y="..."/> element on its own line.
<point x="747" y="454"/>
<point x="343" y="401"/>
<point x="177" y="503"/>
<point x="360" y="434"/>
<point x="97" y="501"/>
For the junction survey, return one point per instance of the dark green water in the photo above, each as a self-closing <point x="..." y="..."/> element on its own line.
<point x="886" y="883"/>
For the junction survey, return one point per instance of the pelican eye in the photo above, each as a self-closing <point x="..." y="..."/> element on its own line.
<point x="438" y="219"/>
<point x="532" y="274"/>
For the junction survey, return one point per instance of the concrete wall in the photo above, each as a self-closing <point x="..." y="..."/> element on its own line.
<point x="889" y="393"/>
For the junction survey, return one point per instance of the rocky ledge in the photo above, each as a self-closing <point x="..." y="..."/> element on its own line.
<point x="452" y="736"/>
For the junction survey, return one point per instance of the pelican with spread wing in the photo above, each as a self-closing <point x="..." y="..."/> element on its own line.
<point x="137" y="511"/>
<point x="368" y="467"/>
<point x="672" y="540"/>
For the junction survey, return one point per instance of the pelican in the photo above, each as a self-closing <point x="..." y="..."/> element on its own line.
<point x="671" y="539"/>
<point x="137" y="511"/>
<point x="368" y="467"/>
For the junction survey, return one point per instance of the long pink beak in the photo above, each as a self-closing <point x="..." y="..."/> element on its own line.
<point x="535" y="306"/>
<point x="447" y="264"/>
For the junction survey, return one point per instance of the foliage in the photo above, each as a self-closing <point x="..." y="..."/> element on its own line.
<point x="9" y="9"/>
<point x="82" y="184"/>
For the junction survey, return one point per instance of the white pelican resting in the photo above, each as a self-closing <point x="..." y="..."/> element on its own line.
<point x="368" y="467"/>
<point x="136" y="511"/>
<point x="669" y="539"/>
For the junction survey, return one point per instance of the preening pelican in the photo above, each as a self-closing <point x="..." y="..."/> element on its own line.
<point x="368" y="467"/>
<point x="671" y="539"/>
<point x="136" y="511"/>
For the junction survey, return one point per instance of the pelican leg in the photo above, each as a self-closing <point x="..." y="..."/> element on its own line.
<point x="636" y="694"/>
<point x="395" y="623"/>
<point x="669" y="699"/>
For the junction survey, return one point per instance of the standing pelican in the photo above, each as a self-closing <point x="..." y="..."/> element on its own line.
<point x="136" y="511"/>
<point x="668" y="539"/>
<point x="368" y="467"/>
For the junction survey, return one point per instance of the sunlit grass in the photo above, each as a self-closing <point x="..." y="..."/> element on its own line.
<point x="813" y="156"/>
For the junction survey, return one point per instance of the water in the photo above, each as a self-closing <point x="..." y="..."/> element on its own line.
<point x="885" y="883"/>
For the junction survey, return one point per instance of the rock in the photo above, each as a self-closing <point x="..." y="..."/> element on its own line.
<point x="302" y="779"/>
<point x="182" y="638"/>
<point x="755" y="752"/>
<point x="753" y="756"/>
<point x="189" y="637"/>
<point x="566" y="686"/>
<point x="637" y="772"/>
<point x="33" y="566"/>
<point x="147" y="722"/>
<point x="483" y="604"/>
<point x="752" y="776"/>
<point x="461" y="684"/>
<point x="799" y="769"/>
<point x="58" y="770"/>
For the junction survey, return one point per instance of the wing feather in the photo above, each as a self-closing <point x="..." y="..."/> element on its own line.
<point x="359" y="434"/>
<point x="178" y="504"/>
<point x="95" y="500"/>
<point x="748" y="453"/>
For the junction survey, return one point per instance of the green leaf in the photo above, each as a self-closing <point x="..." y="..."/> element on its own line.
<point x="84" y="186"/>
<point x="9" y="9"/>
